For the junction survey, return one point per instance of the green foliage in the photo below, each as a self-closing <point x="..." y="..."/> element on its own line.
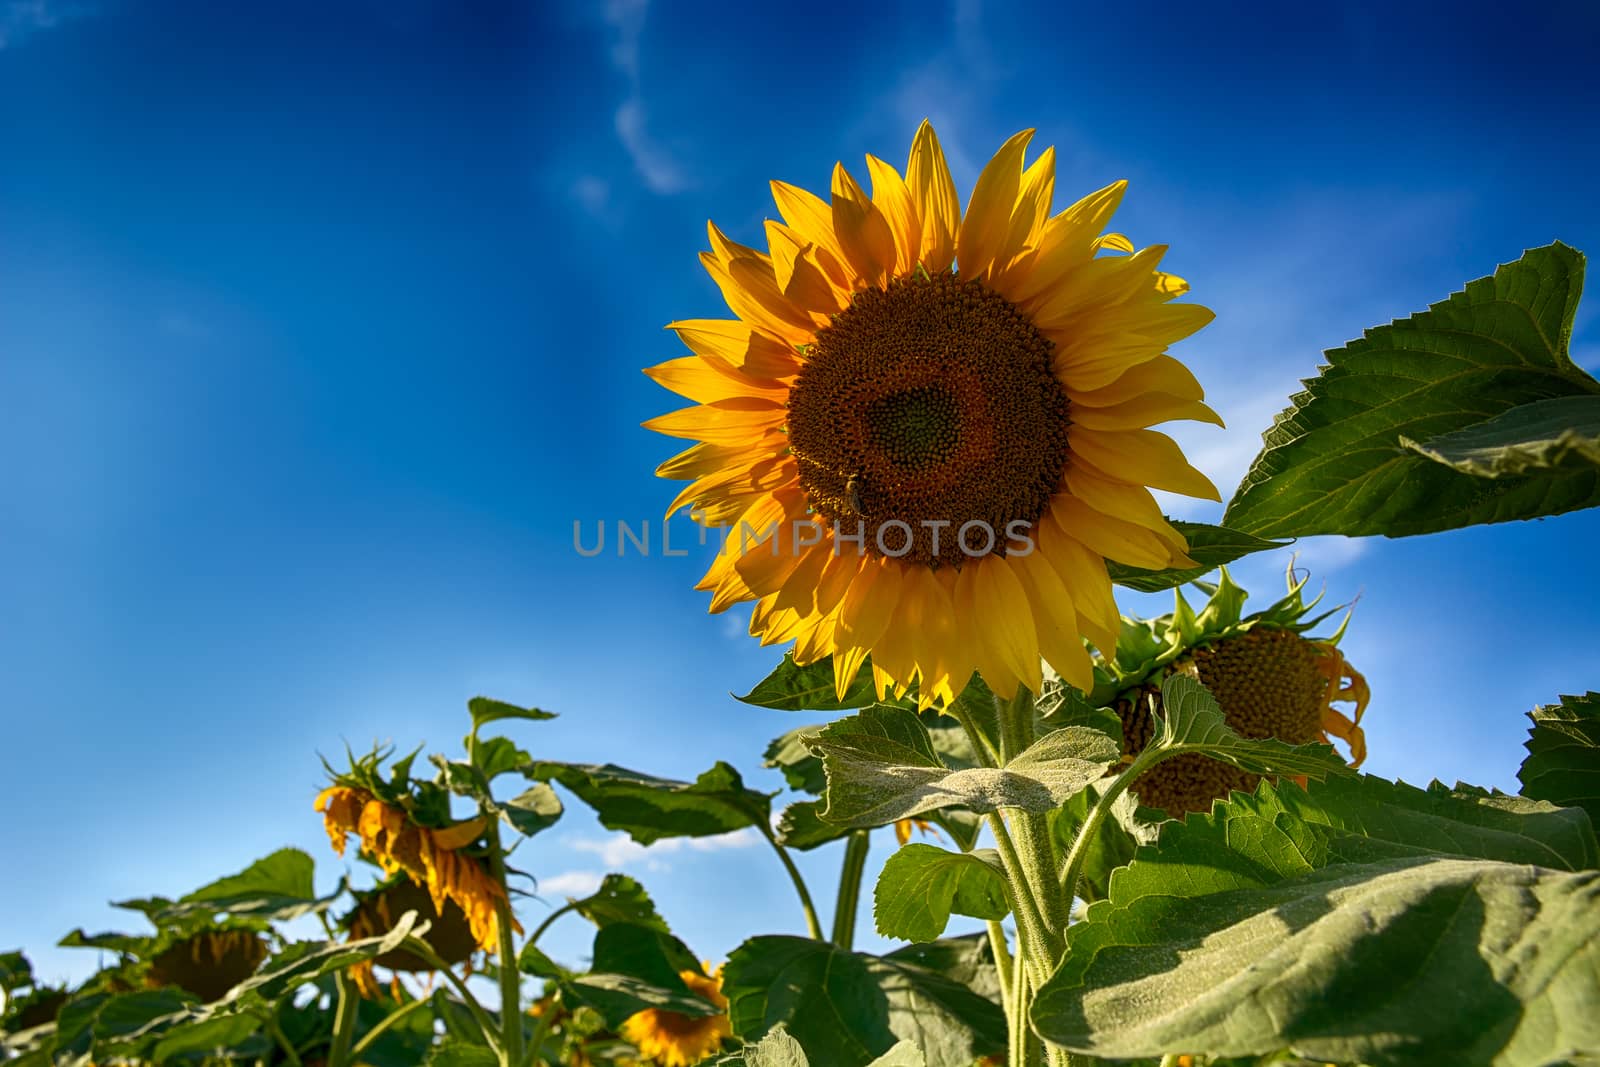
<point x="881" y="766"/>
<point x="637" y="967"/>
<point x="1471" y="379"/>
<point x="277" y="887"/>
<point x="620" y="899"/>
<point x="533" y="810"/>
<point x="921" y="885"/>
<point x="484" y="711"/>
<point x="1563" y="764"/>
<point x="778" y="1049"/>
<point x="1346" y="963"/>
<point x="649" y="808"/>
<point x="1192" y="722"/>
<point x="453" y="1052"/>
<point x="1209" y="546"/>
<point x="791" y="687"/>
<point x="846" y="1009"/>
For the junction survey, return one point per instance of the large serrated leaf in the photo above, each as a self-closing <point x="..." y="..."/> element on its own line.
<point x="922" y="885"/>
<point x="620" y="899"/>
<point x="881" y="767"/>
<point x="306" y="961"/>
<point x="847" y="1009"/>
<point x="649" y="808"/>
<point x="1209" y="546"/>
<point x="637" y="967"/>
<point x="1563" y="764"/>
<point x="1193" y="722"/>
<point x="1409" y="961"/>
<point x="1335" y="463"/>
<point x="278" y="886"/>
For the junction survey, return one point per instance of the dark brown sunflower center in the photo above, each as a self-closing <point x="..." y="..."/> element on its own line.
<point x="927" y="418"/>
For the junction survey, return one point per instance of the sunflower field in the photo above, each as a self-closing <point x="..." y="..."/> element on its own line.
<point x="925" y="430"/>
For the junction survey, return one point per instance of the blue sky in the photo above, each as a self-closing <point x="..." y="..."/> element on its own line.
<point x="321" y="324"/>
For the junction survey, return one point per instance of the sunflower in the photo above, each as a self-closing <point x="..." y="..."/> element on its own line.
<point x="1269" y="679"/>
<point x="208" y="963"/>
<point x="671" y="1039"/>
<point x="430" y="857"/>
<point x="377" y="910"/>
<point x="927" y="432"/>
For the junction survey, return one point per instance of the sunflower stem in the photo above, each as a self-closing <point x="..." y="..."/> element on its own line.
<point x="849" y="899"/>
<point x="420" y="948"/>
<point x="813" y="925"/>
<point x="541" y="1030"/>
<point x="549" y="920"/>
<point x="1033" y="945"/>
<point x="1002" y="957"/>
<point x="276" y="1030"/>
<point x="510" y="977"/>
<point x="344" y="1020"/>
<point x="383" y="1024"/>
<point x="1073" y="868"/>
<point x="982" y="745"/>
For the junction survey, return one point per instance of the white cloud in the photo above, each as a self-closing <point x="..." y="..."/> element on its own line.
<point x="619" y="851"/>
<point x="21" y="19"/>
<point x="571" y="884"/>
<point x="661" y="173"/>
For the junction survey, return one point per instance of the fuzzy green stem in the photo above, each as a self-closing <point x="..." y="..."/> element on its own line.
<point x="1097" y="816"/>
<point x="344" y="1020"/>
<point x="849" y="899"/>
<point x="1033" y="942"/>
<point x="383" y="1024"/>
<point x="510" y="978"/>
<point x="1002" y="957"/>
<point x="982" y="745"/>
<point x="813" y="925"/>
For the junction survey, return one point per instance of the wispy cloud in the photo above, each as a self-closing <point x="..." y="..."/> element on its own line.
<point x="21" y="19"/>
<point x="661" y="173"/>
<point x="571" y="884"/>
<point x="619" y="851"/>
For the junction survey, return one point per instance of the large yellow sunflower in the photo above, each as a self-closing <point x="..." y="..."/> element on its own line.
<point x="927" y="432"/>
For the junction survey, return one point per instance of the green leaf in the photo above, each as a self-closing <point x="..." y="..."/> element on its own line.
<point x="776" y="1049"/>
<point x="533" y="810"/>
<point x="497" y="756"/>
<point x="1560" y="433"/>
<point x="649" y="808"/>
<point x="1563" y="764"/>
<point x="904" y="1054"/>
<point x="1192" y="722"/>
<point x="921" y="885"/>
<point x="306" y="961"/>
<point x="1116" y="842"/>
<point x="792" y="755"/>
<point x="1402" y="962"/>
<point x="453" y="1052"/>
<point x="15" y="970"/>
<point x="125" y="944"/>
<point x="1337" y="461"/>
<point x="1209" y="546"/>
<point x="205" y="1035"/>
<point x="637" y="967"/>
<point x="810" y="688"/>
<point x="532" y="961"/>
<point x="800" y="826"/>
<point x="847" y="1009"/>
<point x="278" y="887"/>
<point x="881" y="767"/>
<point x="1369" y="818"/>
<point x="484" y="711"/>
<point x="620" y="899"/>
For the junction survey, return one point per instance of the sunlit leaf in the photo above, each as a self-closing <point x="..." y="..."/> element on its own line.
<point x="533" y="810"/>
<point x="1546" y="435"/>
<point x="306" y="961"/>
<point x="922" y="885"/>
<point x="278" y="886"/>
<point x="1337" y="461"/>
<point x="881" y="767"/>
<point x="620" y="899"/>
<point x="1192" y="722"/>
<point x="638" y="967"/>
<point x="810" y="688"/>
<point x="452" y="1052"/>
<point x="485" y="710"/>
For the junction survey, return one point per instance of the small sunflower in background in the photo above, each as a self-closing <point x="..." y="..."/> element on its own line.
<point x="1268" y="677"/>
<point x="672" y="1039"/>
<point x="909" y="395"/>
<point x="208" y="962"/>
<point x="410" y="829"/>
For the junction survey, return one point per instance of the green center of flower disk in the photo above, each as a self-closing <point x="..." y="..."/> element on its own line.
<point x="923" y="408"/>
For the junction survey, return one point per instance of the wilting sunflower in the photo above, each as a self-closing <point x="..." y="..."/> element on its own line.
<point x="208" y="963"/>
<point x="910" y="397"/>
<point x="428" y="856"/>
<point x="671" y="1039"/>
<point x="375" y="914"/>
<point x="1269" y="679"/>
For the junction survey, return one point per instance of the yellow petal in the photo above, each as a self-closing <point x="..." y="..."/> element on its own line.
<point x="459" y="834"/>
<point x="934" y="191"/>
<point x="988" y="220"/>
<point x="893" y="198"/>
<point x="869" y="604"/>
<point x="740" y="345"/>
<point x="1147" y="457"/>
<point x="705" y="380"/>
<point x="771" y="312"/>
<point x="979" y="645"/>
<point x="1163" y="374"/>
<point x="724" y="422"/>
<point x="1028" y="217"/>
<point x="768" y="554"/>
<point x="862" y="229"/>
<point x="1066" y="242"/>
<point x="1084" y="574"/>
<point x="1004" y="608"/>
<point x="1145" y="410"/>
<point x="1112" y="538"/>
<point x="808" y="215"/>
<point x="1055" y="618"/>
<point x="798" y="272"/>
